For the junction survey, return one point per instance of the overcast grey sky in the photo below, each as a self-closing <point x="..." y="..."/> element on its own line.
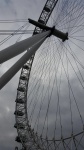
<point x="24" y="9"/>
<point x="13" y="9"/>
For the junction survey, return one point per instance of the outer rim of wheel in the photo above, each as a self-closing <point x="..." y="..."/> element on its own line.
<point x="30" y="132"/>
<point x="27" y="126"/>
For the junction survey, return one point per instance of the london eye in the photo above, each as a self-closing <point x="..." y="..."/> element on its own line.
<point x="49" y="111"/>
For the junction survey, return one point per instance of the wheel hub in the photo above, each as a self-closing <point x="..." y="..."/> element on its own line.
<point x="55" y="32"/>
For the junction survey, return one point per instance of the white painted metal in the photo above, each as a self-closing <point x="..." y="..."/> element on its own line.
<point x="20" y="47"/>
<point x="16" y="67"/>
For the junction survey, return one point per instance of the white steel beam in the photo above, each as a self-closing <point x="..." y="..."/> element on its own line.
<point x="6" y="77"/>
<point x="20" y="47"/>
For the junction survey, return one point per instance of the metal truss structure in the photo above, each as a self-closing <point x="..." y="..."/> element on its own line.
<point x="26" y="134"/>
<point x="43" y="129"/>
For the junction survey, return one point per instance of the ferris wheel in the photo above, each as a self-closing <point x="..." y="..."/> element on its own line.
<point x="49" y="111"/>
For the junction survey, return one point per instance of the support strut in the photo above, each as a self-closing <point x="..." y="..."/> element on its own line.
<point x="6" y="77"/>
<point x="20" y="47"/>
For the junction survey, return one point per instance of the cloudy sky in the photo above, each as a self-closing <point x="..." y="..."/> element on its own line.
<point x="12" y="9"/>
<point x="45" y="75"/>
